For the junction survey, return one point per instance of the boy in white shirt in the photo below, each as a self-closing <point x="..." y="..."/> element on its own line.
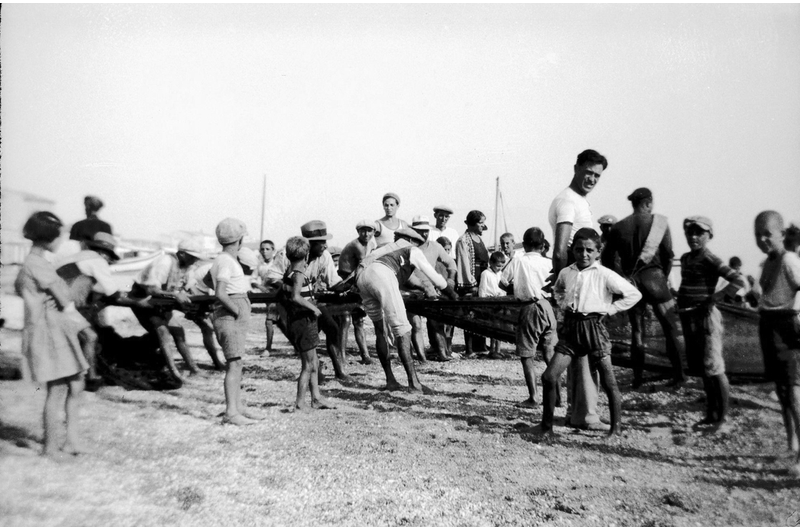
<point x="584" y="291"/>
<point x="489" y="287"/>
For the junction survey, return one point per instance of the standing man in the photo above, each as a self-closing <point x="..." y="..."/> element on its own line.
<point x="644" y="245"/>
<point x="569" y="212"/>
<point x="442" y="214"/>
<point x="85" y="229"/>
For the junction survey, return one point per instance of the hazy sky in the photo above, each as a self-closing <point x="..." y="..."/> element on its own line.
<point x="173" y="113"/>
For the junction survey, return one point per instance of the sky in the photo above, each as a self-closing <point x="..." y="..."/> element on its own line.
<point x="173" y="114"/>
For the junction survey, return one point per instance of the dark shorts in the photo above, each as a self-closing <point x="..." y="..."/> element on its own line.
<point x="536" y="324"/>
<point x="653" y="285"/>
<point x="584" y="335"/>
<point x="272" y="312"/>
<point x="303" y="333"/>
<point x="780" y="344"/>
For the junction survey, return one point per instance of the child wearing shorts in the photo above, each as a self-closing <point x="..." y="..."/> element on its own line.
<point x="300" y="326"/>
<point x="50" y="337"/>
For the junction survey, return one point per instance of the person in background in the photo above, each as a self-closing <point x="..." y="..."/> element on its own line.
<point x="489" y="287"/>
<point x="791" y="240"/>
<point x="472" y="259"/>
<point x="85" y="229"/>
<point x="442" y="215"/>
<point x="702" y="321"/>
<point x="352" y="255"/>
<point x="200" y="283"/>
<point x="267" y="252"/>
<point x="386" y="226"/>
<point x="50" y="336"/>
<point x="779" y="323"/>
<point x="569" y="212"/>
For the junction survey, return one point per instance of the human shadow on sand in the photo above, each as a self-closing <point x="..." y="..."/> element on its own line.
<point x="18" y="436"/>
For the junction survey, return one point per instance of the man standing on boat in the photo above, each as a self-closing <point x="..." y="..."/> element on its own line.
<point x="85" y="229"/>
<point x="644" y="245"/>
<point x="569" y="212"/>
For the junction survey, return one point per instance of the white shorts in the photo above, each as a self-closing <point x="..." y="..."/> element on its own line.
<point x="382" y="300"/>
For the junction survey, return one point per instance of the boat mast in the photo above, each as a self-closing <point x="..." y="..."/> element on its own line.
<point x="263" y="201"/>
<point x="497" y="214"/>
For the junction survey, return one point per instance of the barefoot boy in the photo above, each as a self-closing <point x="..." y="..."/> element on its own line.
<point x="489" y="287"/>
<point x="584" y="291"/>
<point x="701" y="320"/>
<point x="779" y="327"/>
<point x="537" y="321"/>
<point x="301" y="323"/>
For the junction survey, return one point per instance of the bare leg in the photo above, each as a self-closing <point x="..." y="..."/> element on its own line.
<point x="711" y="402"/>
<point x="383" y="354"/>
<point x="270" y="329"/>
<point x="168" y="350"/>
<point x="332" y="340"/>
<point x="557" y="365"/>
<point x="88" y="340"/>
<point x="404" y="351"/>
<point x="307" y="359"/>
<point x="722" y="390"/>
<point x="438" y="340"/>
<point x="179" y="335"/>
<point x="417" y="337"/>
<point x="635" y="316"/>
<point x="233" y="388"/>
<point x="667" y="316"/>
<point x="793" y="426"/>
<point x="361" y="339"/>
<point x="344" y="330"/>
<point x="468" y="353"/>
<point x="72" y="408"/>
<point x="54" y="403"/>
<point x="530" y="382"/>
<point x="317" y="401"/>
<point x="208" y="341"/>
<point x="609" y="383"/>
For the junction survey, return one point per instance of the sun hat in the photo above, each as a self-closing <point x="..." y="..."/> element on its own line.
<point x="393" y="196"/>
<point x="421" y="222"/>
<point x="248" y="258"/>
<point x="701" y="221"/>
<point x="230" y="230"/>
<point x="409" y="234"/>
<point x="365" y="223"/>
<point x="607" y="220"/>
<point x="104" y="242"/>
<point x="443" y="208"/>
<point x="315" y="231"/>
<point x="191" y="247"/>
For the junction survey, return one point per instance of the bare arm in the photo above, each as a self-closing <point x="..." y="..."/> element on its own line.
<point x="561" y="247"/>
<point x="222" y="295"/>
<point x="297" y="286"/>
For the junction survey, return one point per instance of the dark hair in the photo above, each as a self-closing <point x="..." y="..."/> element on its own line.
<point x="474" y="217"/>
<point x="590" y="156"/>
<point x="42" y="227"/>
<point x="297" y="248"/>
<point x="534" y="237"/>
<point x="497" y="256"/>
<point x="266" y="241"/>
<point x="586" y="234"/>
<point x="444" y="241"/>
<point x="734" y="262"/>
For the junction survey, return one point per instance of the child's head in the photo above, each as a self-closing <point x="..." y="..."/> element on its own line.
<point x="698" y="230"/>
<point x="248" y="260"/>
<point x="43" y="228"/>
<point x="297" y="248"/>
<point x="497" y="261"/>
<point x="230" y="232"/>
<point x="585" y="247"/>
<point x="267" y="250"/>
<point x="735" y="263"/>
<point x="446" y="243"/>
<point x="189" y="252"/>
<point x="769" y="229"/>
<point x="533" y="239"/>
<point x="507" y="243"/>
<point x="366" y="230"/>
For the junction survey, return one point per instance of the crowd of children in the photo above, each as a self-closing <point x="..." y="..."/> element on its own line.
<point x="59" y="343"/>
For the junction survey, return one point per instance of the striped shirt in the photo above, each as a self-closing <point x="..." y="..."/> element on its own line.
<point x="699" y="274"/>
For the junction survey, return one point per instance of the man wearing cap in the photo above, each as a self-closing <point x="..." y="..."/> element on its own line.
<point x="643" y="243"/>
<point x="380" y="276"/>
<point x="166" y="277"/>
<point x="442" y="214"/>
<point x="352" y="255"/>
<point x="569" y="212"/>
<point x="86" y="229"/>
<point x="322" y="275"/>
<point x="92" y="287"/>
<point x="442" y="263"/>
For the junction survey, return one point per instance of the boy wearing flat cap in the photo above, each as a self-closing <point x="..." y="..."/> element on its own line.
<point x="702" y="321"/>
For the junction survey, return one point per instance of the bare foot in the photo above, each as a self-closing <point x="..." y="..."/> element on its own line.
<point x="428" y="391"/>
<point x="722" y="427"/>
<point x="391" y="387"/>
<point x="614" y="433"/>
<point x="57" y="456"/>
<point x="253" y="415"/>
<point x="344" y="378"/>
<point x="365" y="360"/>
<point x="322" y="404"/>
<point x="527" y="404"/>
<point x="238" y="420"/>
<point x="75" y="449"/>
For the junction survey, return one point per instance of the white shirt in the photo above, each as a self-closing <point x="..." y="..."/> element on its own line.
<point x="94" y="266"/>
<point x="449" y="233"/>
<point x="320" y="271"/>
<point x="226" y="268"/>
<point x="529" y="274"/>
<point x="194" y="279"/>
<point x="158" y="272"/>
<point x="591" y="290"/>
<point x="490" y="284"/>
<point x="570" y="207"/>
